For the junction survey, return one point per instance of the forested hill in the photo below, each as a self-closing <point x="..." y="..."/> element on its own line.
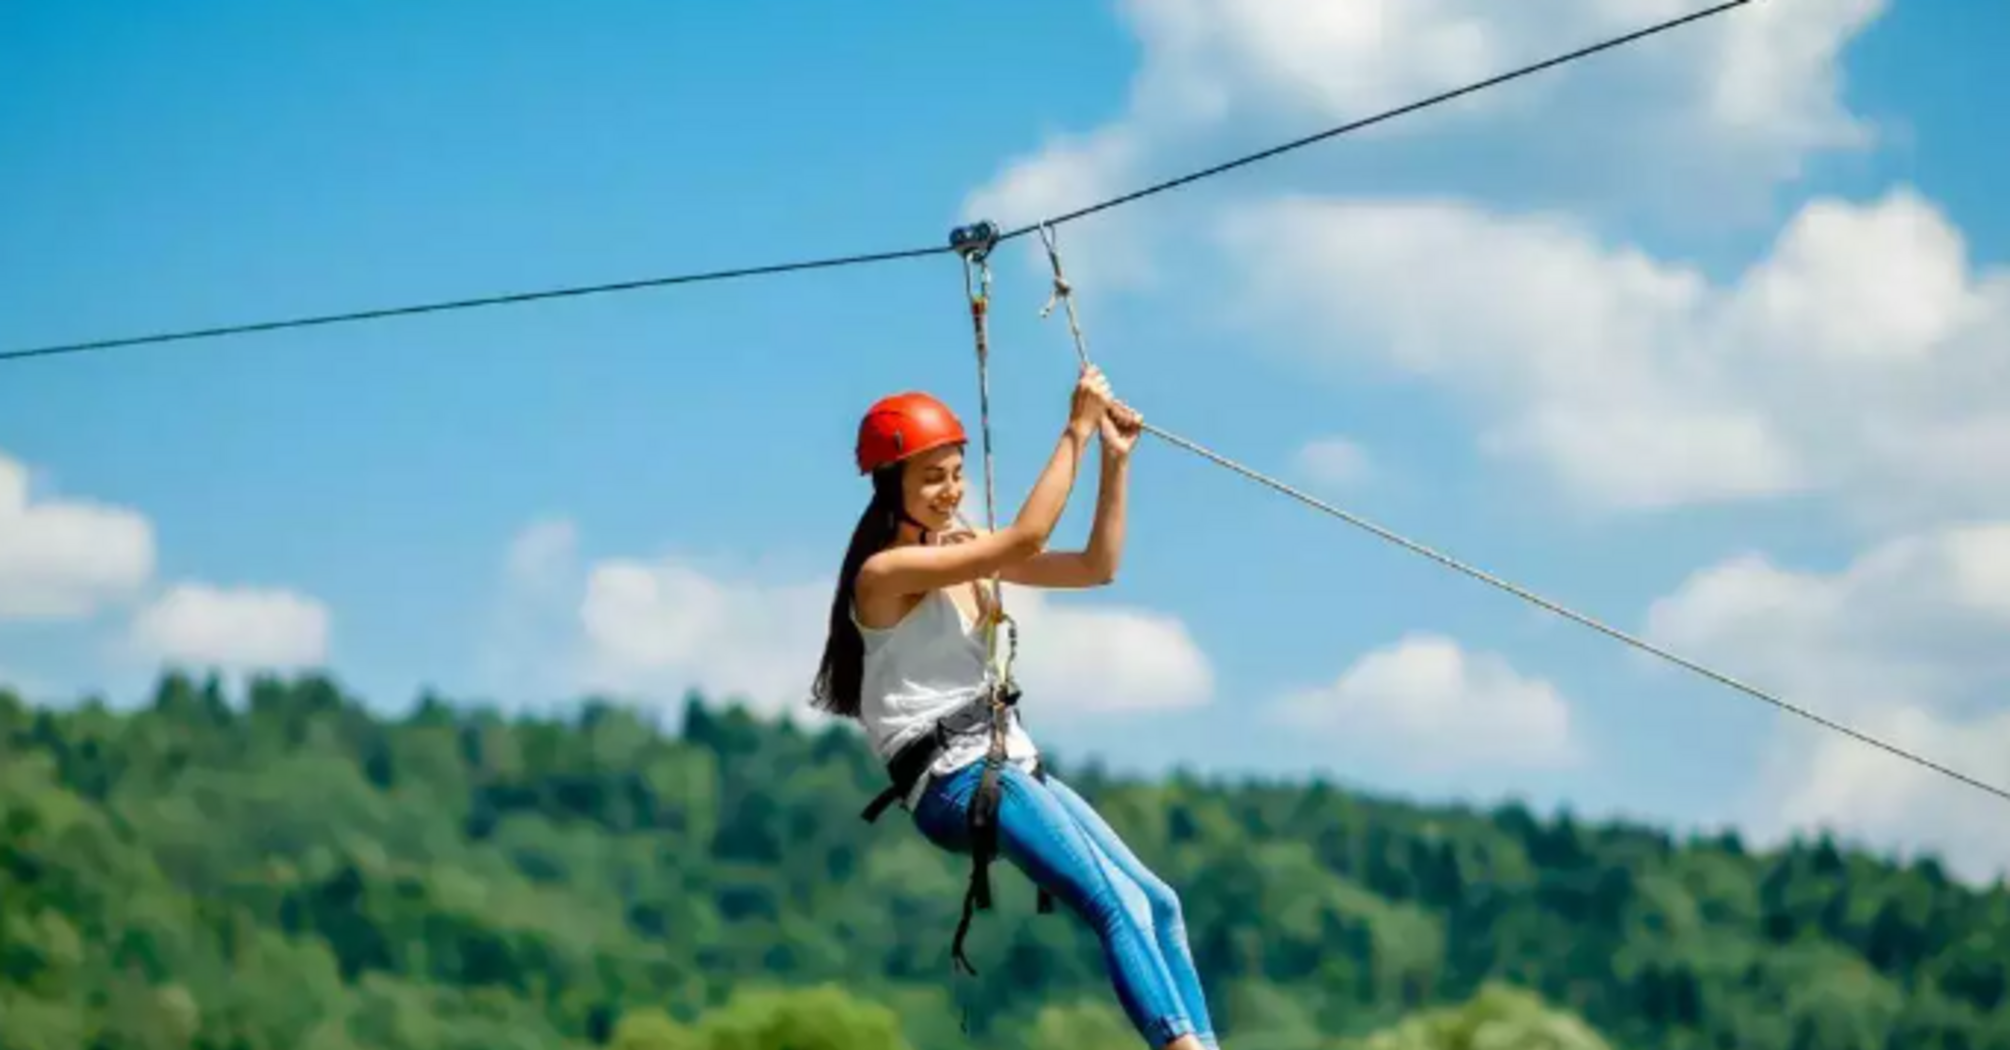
<point x="285" y="871"/>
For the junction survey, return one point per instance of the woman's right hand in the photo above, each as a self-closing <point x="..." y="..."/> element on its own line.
<point x="1091" y="400"/>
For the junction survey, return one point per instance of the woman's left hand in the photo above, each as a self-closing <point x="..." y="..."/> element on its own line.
<point x="1121" y="426"/>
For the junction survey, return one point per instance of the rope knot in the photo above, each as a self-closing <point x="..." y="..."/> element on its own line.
<point x="1061" y="292"/>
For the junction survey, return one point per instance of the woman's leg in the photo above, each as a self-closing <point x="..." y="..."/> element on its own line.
<point x="1039" y="836"/>
<point x="1167" y="920"/>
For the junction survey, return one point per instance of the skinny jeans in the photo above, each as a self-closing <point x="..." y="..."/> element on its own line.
<point x="1062" y="844"/>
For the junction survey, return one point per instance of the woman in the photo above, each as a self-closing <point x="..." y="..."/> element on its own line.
<point x="907" y="657"/>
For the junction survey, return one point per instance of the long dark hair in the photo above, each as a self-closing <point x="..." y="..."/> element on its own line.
<point x="840" y="675"/>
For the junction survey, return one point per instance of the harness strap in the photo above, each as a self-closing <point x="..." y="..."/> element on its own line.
<point x="910" y="764"/>
<point x="880" y="802"/>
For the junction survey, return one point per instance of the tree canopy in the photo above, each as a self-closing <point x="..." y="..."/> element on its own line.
<point x="287" y="870"/>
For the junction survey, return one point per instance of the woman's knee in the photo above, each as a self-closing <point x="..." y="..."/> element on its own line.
<point x="1163" y="901"/>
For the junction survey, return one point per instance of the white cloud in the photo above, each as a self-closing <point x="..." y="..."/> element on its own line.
<point x="653" y="629"/>
<point x="1775" y="72"/>
<point x="66" y="559"/>
<point x="1862" y="358"/>
<point x="1209" y="61"/>
<point x="233" y="629"/>
<point x="657" y="629"/>
<point x="1906" y="616"/>
<point x="1826" y="780"/>
<point x="1907" y="644"/>
<point x="1738" y="99"/>
<point x="1103" y="251"/>
<point x="1335" y="461"/>
<point x="1428" y="703"/>
<point x="1078" y="659"/>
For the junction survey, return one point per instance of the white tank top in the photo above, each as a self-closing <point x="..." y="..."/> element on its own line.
<point x="920" y="669"/>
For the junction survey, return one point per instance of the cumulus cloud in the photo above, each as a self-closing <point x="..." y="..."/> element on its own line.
<point x="70" y="559"/>
<point x="1081" y="659"/>
<point x="66" y="559"/>
<point x="655" y="628"/>
<point x="1739" y="99"/>
<point x="658" y="628"/>
<point x="1862" y="358"/>
<point x="1430" y="704"/>
<point x="1875" y="797"/>
<point x="1768" y="70"/>
<point x="235" y="629"/>
<point x="1106" y="250"/>
<point x="1906" y="643"/>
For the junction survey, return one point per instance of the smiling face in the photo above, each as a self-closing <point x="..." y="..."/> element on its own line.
<point x="932" y="487"/>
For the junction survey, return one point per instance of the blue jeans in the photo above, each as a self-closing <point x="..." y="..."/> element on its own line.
<point x="1063" y="845"/>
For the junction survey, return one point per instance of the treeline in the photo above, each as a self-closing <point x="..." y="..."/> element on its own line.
<point x="287" y="871"/>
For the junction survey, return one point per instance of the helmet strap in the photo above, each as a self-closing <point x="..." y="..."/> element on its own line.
<point x="909" y="518"/>
<point x="898" y="512"/>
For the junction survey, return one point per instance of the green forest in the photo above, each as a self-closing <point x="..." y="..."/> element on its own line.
<point x="287" y="870"/>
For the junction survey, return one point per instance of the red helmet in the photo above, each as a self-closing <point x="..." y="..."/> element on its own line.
<point x="904" y="425"/>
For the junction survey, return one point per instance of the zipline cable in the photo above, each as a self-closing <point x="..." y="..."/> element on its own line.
<point x="469" y="304"/>
<point x="1064" y="294"/>
<point x="856" y="260"/>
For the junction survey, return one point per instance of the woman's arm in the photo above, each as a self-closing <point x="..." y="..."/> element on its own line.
<point x="917" y="569"/>
<point x="1094" y="565"/>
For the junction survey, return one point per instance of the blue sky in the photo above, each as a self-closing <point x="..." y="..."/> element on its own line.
<point x="187" y="165"/>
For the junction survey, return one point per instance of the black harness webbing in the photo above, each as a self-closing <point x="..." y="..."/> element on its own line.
<point x="911" y="763"/>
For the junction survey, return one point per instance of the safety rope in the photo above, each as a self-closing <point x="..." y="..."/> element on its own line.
<point x="974" y="243"/>
<point x="1064" y="293"/>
